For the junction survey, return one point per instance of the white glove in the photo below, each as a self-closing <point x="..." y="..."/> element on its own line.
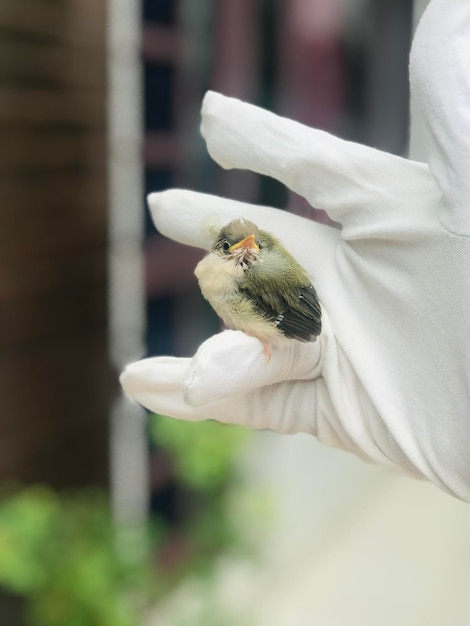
<point x="389" y="377"/>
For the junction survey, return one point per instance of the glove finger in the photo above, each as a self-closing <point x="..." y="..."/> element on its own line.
<point x="194" y="218"/>
<point x="287" y="407"/>
<point x="350" y="181"/>
<point x="233" y="363"/>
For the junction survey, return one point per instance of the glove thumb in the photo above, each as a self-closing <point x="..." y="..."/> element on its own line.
<point x="233" y="363"/>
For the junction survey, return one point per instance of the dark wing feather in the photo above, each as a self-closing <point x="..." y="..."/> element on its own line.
<point x="292" y="306"/>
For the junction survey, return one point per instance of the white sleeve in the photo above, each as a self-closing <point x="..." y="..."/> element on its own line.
<point x="440" y="81"/>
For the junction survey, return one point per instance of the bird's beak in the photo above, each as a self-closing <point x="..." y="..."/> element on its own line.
<point x="248" y="243"/>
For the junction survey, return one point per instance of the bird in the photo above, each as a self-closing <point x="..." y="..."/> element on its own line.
<point x="255" y="285"/>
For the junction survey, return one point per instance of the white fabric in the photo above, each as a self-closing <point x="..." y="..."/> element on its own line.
<point x="389" y="378"/>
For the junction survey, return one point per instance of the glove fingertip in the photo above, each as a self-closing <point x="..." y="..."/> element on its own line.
<point x="127" y="380"/>
<point x="211" y="102"/>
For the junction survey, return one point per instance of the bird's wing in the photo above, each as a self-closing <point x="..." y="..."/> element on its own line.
<point x="292" y="306"/>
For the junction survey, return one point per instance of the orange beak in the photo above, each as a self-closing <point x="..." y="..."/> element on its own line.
<point x="248" y="242"/>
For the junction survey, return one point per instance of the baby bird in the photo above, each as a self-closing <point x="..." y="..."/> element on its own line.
<point x="256" y="286"/>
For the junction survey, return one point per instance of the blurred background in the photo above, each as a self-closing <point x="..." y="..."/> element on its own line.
<point x="108" y="515"/>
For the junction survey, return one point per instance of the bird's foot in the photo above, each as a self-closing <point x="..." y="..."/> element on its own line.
<point x="267" y="351"/>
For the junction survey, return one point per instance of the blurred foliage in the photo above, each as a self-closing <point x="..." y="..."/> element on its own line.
<point x="64" y="555"/>
<point x="204" y="452"/>
<point x="59" y="552"/>
<point x="203" y="457"/>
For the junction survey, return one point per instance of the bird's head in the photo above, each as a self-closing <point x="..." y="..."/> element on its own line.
<point x="239" y="241"/>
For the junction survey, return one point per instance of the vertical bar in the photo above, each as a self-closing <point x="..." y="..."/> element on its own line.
<point x="129" y="478"/>
<point x="418" y="150"/>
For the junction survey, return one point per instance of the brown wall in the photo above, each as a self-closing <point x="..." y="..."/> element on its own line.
<point x="54" y="376"/>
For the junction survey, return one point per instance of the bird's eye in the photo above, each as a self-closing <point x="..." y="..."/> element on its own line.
<point x="225" y="246"/>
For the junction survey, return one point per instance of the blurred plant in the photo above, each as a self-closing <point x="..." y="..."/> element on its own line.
<point x="203" y="458"/>
<point x="204" y="452"/>
<point x="59" y="553"/>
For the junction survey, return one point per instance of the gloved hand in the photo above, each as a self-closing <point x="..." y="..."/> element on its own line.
<point x="389" y="378"/>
